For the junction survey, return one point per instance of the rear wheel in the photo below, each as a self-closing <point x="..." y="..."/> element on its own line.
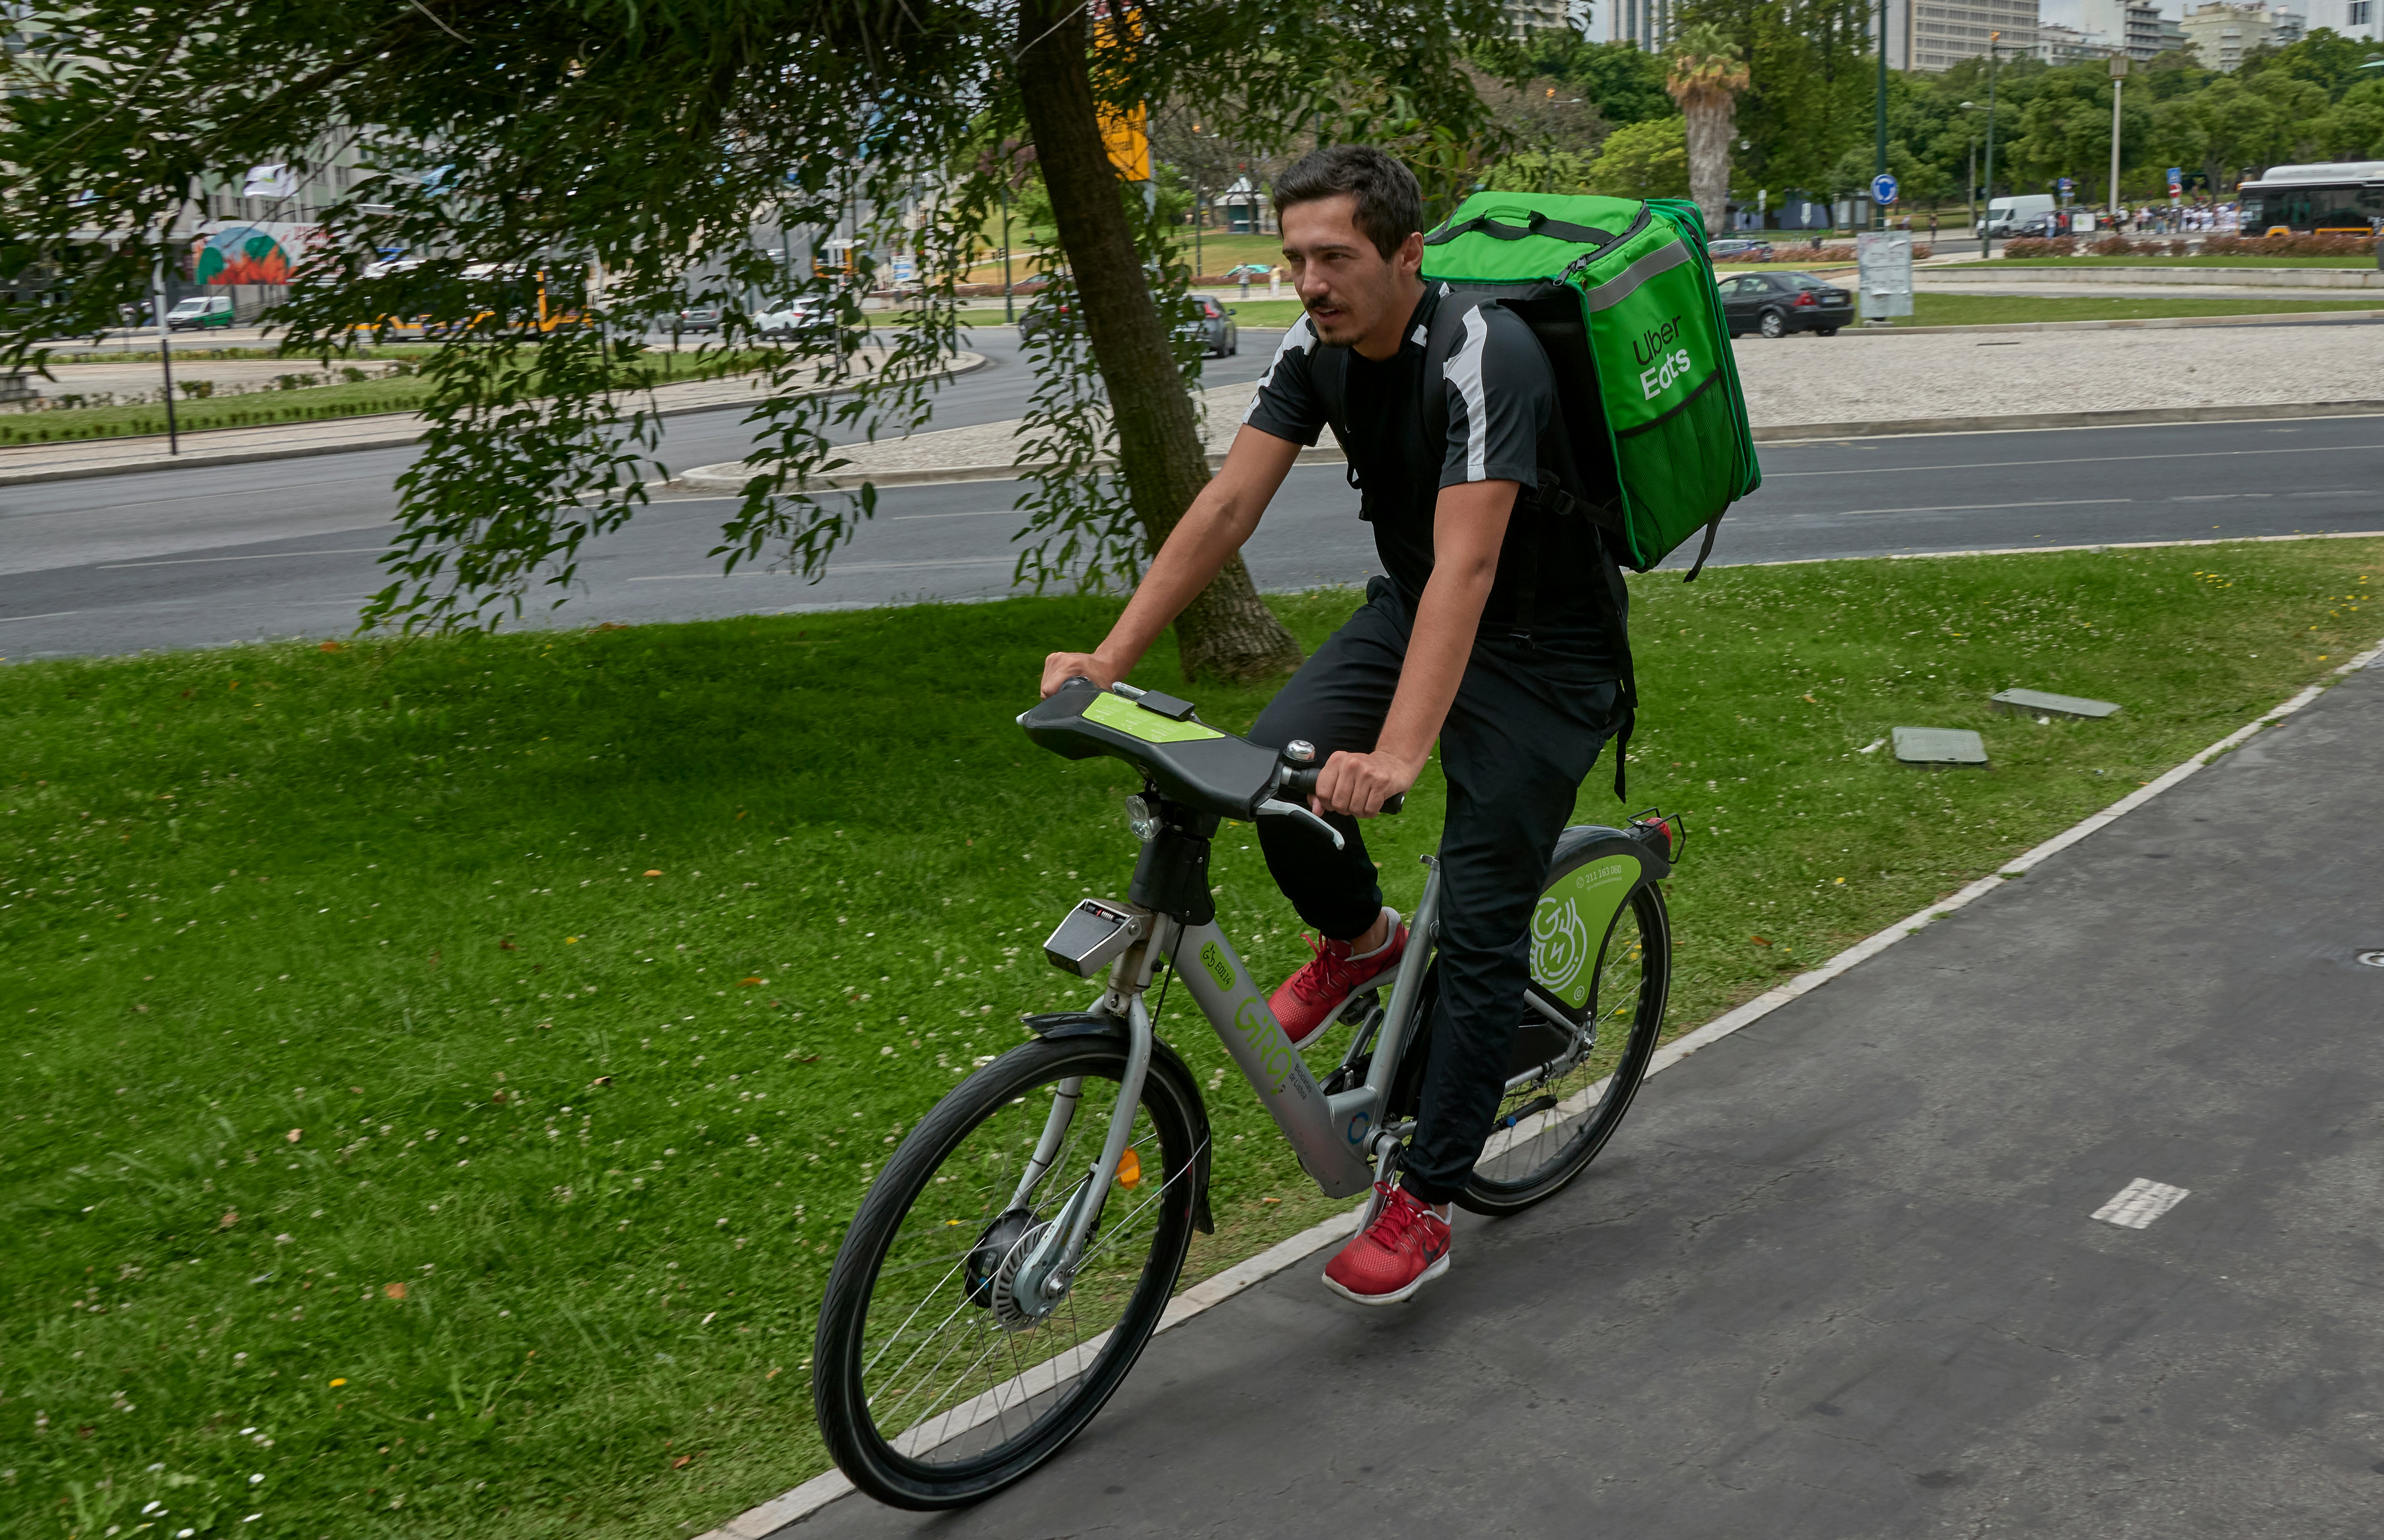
<point x="1553" y="1123"/>
<point x="938" y="1377"/>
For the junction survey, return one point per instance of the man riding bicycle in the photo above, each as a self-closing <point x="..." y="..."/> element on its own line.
<point x="1484" y="632"/>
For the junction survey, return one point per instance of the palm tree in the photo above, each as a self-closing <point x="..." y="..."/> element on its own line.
<point x="1707" y="76"/>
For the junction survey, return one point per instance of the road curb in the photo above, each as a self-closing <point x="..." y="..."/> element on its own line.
<point x="801" y="1502"/>
<point x="731" y="476"/>
<point x="395" y="439"/>
<point x="2146" y="323"/>
<point x="1993" y="270"/>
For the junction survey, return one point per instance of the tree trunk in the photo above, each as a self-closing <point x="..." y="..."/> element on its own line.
<point x="1710" y="116"/>
<point x="1228" y="632"/>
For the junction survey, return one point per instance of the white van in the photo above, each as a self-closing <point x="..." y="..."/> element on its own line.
<point x="2008" y="215"/>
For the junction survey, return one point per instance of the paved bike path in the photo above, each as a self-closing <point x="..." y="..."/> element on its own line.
<point x="1837" y="1276"/>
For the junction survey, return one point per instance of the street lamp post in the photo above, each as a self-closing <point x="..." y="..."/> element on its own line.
<point x="1986" y="226"/>
<point x="1009" y="300"/>
<point x="2119" y="84"/>
<point x="1879" y="158"/>
<point x="1970" y="187"/>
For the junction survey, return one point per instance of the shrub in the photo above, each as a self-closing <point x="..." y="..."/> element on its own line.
<point x="2028" y="246"/>
<point x="2290" y="246"/>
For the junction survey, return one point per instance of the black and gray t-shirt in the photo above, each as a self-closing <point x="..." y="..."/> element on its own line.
<point x="1500" y="398"/>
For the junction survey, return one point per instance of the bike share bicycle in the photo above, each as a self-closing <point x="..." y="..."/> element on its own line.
<point x="990" y="1295"/>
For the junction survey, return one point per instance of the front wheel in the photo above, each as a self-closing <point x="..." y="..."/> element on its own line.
<point x="1774" y="324"/>
<point x="941" y="1376"/>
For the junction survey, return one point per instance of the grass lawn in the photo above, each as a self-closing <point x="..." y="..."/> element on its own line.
<point x="403" y="393"/>
<point x="2163" y="262"/>
<point x="1997" y="309"/>
<point x="441" y="1072"/>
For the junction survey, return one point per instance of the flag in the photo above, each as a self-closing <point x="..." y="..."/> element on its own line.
<point x="270" y="181"/>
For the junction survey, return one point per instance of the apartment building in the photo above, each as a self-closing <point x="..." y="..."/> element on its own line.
<point x="1937" y="34"/>
<point x="2058" y="44"/>
<point x="2221" y="32"/>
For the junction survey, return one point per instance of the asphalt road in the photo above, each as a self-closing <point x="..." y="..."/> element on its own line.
<point x="209" y="556"/>
<point x="1838" y="1276"/>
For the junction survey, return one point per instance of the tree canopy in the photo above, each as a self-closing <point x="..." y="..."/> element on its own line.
<point x="615" y="160"/>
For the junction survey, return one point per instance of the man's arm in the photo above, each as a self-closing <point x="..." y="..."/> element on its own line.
<point x="1469" y="525"/>
<point x="1220" y="519"/>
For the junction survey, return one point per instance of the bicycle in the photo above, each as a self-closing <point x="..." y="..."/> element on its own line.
<point x="984" y="1304"/>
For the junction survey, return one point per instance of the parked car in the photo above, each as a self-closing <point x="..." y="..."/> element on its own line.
<point x="1214" y="327"/>
<point x="1039" y="319"/>
<point x="1737" y="250"/>
<point x="200" y="313"/>
<point x="794" y="323"/>
<point x="1777" y="303"/>
<point x="704" y="318"/>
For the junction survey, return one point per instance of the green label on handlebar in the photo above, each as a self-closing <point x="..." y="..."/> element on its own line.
<point x="1114" y="711"/>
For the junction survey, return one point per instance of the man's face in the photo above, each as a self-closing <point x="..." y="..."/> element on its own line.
<point x="1348" y="287"/>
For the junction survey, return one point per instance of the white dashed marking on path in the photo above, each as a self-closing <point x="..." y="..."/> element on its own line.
<point x="2138" y="1203"/>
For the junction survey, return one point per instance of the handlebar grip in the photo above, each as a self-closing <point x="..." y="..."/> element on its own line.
<point x="1302" y="783"/>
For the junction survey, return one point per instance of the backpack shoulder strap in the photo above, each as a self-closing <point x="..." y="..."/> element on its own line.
<point x="1328" y="370"/>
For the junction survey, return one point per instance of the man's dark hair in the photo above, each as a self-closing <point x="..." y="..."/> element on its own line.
<point x="1390" y="205"/>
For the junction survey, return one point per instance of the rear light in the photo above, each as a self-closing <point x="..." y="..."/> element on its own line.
<point x="1806" y="298"/>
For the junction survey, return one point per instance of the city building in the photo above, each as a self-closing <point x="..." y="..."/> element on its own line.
<point x="1647" y="23"/>
<point x="2058" y="44"/>
<point x="1933" y="35"/>
<point x="1533" y="16"/>
<point x="2363" y="20"/>
<point x="2220" y="32"/>
<point x="2134" y="27"/>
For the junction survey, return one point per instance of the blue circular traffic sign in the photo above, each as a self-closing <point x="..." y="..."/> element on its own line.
<point x="1882" y="188"/>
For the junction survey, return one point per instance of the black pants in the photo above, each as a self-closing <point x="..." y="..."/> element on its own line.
<point x="1520" y="739"/>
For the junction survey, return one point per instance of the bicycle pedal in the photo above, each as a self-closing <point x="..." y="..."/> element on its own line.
<point x="1356" y="1008"/>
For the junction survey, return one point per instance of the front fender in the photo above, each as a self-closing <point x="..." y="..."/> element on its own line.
<point x="1165" y="1061"/>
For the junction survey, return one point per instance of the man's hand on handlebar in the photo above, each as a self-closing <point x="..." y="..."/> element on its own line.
<point x="1359" y="784"/>
<point x="1061" y="668"/>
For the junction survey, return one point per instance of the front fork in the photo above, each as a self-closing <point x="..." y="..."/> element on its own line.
<point x="1050" y="1265"/>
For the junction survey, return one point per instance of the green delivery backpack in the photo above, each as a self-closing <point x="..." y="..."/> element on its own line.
<point x="1621" y="295"/>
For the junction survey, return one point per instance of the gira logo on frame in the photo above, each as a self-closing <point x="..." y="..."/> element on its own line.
<point x="1660" y="363"/>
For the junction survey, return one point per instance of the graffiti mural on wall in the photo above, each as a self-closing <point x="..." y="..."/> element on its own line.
<point x="259" y="253"/>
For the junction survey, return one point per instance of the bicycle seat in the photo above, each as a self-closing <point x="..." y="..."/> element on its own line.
<point x="1189" y="761"/>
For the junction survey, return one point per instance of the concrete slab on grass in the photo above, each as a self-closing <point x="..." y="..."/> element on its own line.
<point x="1839" y="1277"/>
<point x="1939" y="746"/>
<point x="2038" y="702"/>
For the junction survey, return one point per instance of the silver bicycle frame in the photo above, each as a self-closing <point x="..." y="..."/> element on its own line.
<point x="1333" y="1136"/>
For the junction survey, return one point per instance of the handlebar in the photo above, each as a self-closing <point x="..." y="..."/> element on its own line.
<point x="1302" y="783"/>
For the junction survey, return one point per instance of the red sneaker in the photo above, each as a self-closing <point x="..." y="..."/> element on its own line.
<point x="1309" y="998"/>
<point x="1404" y="1248"/>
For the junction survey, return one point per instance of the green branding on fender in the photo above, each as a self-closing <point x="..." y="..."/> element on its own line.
<point x="1212" y="959"/>
<point x="1117" y="710"/>
<point x="1569" y="922"/>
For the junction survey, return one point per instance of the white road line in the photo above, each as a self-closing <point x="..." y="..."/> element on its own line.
<point x="833" y="571"/>
<point x="2077" y="460"/>
<point x="1980" y="507"/>
<point x="2138" y="1203"/>
<point x="831" y="1485"/>
<point x="268" y="556"/>
<point x="52" y="615"/>
<point x="980" y="513"/>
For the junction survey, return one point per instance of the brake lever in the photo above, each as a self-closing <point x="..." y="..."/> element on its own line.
<point x="1276" y="807"/>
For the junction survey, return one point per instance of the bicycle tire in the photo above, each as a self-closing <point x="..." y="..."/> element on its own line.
<point x="967" y="1464"/>
<point x="1536" y="1147"/>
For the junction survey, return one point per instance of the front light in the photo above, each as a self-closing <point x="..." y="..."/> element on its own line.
<point x="1143" y="818"/>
